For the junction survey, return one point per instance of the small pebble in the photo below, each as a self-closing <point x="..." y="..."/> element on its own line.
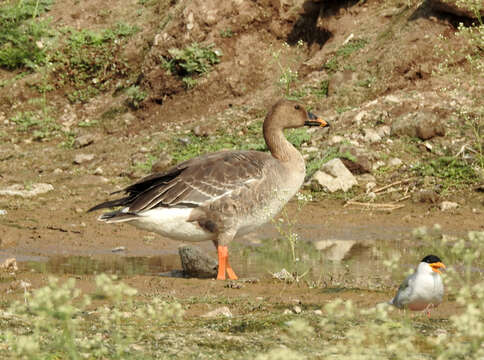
<point x="118" y="249"/>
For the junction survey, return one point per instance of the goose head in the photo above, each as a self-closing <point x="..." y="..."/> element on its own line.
<point x="287" y="114"/>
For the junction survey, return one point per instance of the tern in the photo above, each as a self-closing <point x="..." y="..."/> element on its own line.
<point x="422" y="290"/>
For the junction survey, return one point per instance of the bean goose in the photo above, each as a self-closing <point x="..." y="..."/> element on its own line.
<point x="223" y="194"/>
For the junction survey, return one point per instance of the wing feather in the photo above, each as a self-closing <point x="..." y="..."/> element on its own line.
<point x="195" y="181"/>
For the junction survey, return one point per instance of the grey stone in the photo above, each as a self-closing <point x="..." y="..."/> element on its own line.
<point x="383" y="131"/>
<point x="222" y="311"/>
<point x="336" y="139"/>
<point x="283" y="275"/>
<point x="20" y="190"/>
<point x="426" y="196"/>
<point x="424" y="125"/>
<point x="128" y="118"/>
<point x="334" y="176"/>
<point x="395" y="162"/>
<point x="448" y="205"/>
<point x="337" y="250"/>
<point x="339" y="79"/>
<point x="195" y="263"/>
<point x="83" y="158"/>
<point x="359" y="163"/>
<point x="371" y="136"/>
<point x="84" y="140"/>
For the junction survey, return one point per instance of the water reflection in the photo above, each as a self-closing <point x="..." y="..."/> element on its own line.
<point x="119" y="265"/>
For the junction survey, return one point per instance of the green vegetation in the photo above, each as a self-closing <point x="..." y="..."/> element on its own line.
<point x="194" y="60"/>
<point x="88" y="62"/>
<point x="286" y="63"/>
<point x="135" y="96"/>
<point x="22" y="34"/>
<point x="227" y="33"/>
<point x="452" y="172"/>
<point x="40" y="125"/>
<point x="343" y="52"/>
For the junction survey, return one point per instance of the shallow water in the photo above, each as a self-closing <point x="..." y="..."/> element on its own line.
<point x="333" y="256"/>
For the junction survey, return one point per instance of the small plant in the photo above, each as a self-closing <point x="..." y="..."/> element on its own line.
<point x="227" y="33"/>
<point x="88" y="63"/>
<point x="453" y="172"/>
<point x="191" y="61"/>
<point x="343" y="52"/>
<point x="22" y="34"/>
<point x="288" y="77"/>
<point x="135" y="97"/>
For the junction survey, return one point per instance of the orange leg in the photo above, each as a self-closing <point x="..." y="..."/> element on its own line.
<point x="223" y="264"/>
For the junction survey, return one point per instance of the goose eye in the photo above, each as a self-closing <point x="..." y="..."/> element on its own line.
<point x="297" y="107"/>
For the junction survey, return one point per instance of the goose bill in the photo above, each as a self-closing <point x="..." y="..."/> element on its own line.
<point x="436" y="266"/>
<point x="315" y="121"/>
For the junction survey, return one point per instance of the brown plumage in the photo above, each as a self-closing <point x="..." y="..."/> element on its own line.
<point x="219" y="195"/>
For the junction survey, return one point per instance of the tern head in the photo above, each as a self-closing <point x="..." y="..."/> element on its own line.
<point x="431" y="263"/>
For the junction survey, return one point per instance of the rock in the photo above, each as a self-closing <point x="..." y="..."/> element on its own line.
<point x="336" y="139"/>
<point x="339" y="79"/>
<point x="378" y="165"/>
<point x="163" y="163"/>
<point x="195" y="263"/>
<point x="203" y="130"/>
<point x="83" y="158"/>
<point x="427" y="196"/>
<point x="318" y="312"/>
<point x="297" y="309"/>
<point x="3" y="212"/>
<point x="335" y="250"/>
<point x="371" y="136"/>
<point x="424" y="125"/>
<point x="83" y="140"/>
<point x="118" y="249"/>
<point x="98" y="171"/>
<point x="359" y="163"/>
<point x="448" y="205"/>
<point x="359" y="117"/>
<point x="395" y="162"/>
<point x="9" y="265"/>
<point x="383" y="131"/>
<point x="454" y="7"/>
<point x="20" y="190"/>
<point x="283" y="275"/>
<point x="366" y="179"/>
<point x="222" y="311"/>
<point x="334" y="176"/>
<point x="128" y="118"/>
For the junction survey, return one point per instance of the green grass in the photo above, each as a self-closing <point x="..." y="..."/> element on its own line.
<point x="22" y="34"/>
<point x="191" y="61"/>
<point x="89" y="61"/>
<point x="453" y="173"/>
<point x="337" y="62"/>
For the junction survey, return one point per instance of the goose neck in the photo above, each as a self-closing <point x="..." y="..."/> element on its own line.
<point x="279" y="146"/>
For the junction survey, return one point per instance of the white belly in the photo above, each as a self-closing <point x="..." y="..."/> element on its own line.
<point x="172" y="223"/>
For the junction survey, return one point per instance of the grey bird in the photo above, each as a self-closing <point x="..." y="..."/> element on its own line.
<point x="423" y="290"/>
<point x="220" y="195"/>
